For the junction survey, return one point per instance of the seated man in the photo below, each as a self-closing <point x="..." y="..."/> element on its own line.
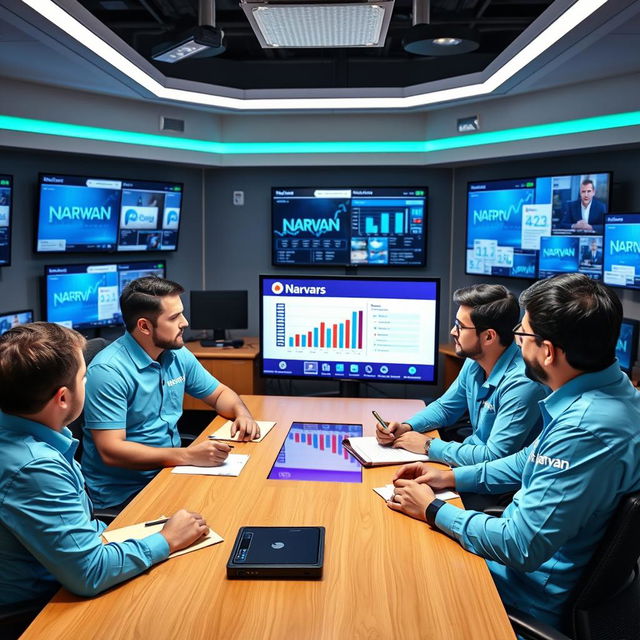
<point x="47" y="534"/>
<point x="135" y="390"/>
<point x="571" y="479"/>
<point x="492" y="385"/>
<point x="586" y="214"/>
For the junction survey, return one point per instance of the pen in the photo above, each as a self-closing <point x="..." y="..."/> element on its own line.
<point x="154" y="522"/>
<point x="376" y="415"/>
<point x="214" y="438"/>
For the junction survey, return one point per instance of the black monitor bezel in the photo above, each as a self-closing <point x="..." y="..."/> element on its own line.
<point x="199" y="291"/>
<point x="437" y="283"/>
<point x="11" y="187"/>
<point x="352" y="265"/>
<point x="528" y="177"/>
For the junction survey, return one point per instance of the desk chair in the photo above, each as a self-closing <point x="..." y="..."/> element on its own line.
<point x="606" y="602"/>
<point x="15" y="618"/>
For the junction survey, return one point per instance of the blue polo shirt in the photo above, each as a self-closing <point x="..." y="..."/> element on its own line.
<point x="503" y="409"/>
<point x="570" y="481"/>
<point x="47" y="534"/>
<point x="127" y="389"/>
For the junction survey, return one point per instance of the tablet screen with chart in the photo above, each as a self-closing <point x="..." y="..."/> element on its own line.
<point x="313" y="451"/>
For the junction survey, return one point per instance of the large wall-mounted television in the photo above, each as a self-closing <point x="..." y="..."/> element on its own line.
<point x="537" y="227"/>
<point x="348" y="226"/>
<point x="353" y="329"/>
<point x="86" y="296"/>
<point x="79" y="214"/>
<point x="6" y="193"/>
<point x="622" y="250"/>
<point x="10" y="319"/>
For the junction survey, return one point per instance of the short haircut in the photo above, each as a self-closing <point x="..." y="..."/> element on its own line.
<point x="587" y="181"/>
<point x="579" y="315"/>
<point x="492" y="307"/>
<point x="142" y="298"/>
<point x="36" y="359"/>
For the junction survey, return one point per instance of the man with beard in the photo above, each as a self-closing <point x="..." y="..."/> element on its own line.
<point x="571" y="478"/>
<point x="135" y="389"/>
<point x="492" y="386"/>
<point x="48" y="535"/>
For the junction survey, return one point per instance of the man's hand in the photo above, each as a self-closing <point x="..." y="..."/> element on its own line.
<point x="387" y="436"/>
<point x="411" y="498"/>
<point x="246" y="428"/>
<point x="413" y="441"/>
<point x="421" y="473"/>
<point x="210" y="453"/>
<point x="581" y="224"/>
<point x="184" y="528"/>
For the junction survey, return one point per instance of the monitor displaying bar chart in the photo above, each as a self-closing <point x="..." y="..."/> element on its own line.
<point x="344" y="328"/>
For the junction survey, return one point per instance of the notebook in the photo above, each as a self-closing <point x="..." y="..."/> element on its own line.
<point x="232" y="466"/>
<point x="370" y="454"/>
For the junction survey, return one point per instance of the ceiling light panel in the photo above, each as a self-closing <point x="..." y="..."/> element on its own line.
<point x="319" y="25"/>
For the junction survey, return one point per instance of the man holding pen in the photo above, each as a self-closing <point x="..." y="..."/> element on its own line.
<point x="48" y="535"/>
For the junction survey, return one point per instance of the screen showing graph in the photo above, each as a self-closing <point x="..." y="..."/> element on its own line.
<point x="622" y="250"/>
<point x="350" y="328"/>
<point x="314" y="451"/>
<point x="83" y="296"/>
<point x="537" y="227"/>
<point x="348" y="226"/>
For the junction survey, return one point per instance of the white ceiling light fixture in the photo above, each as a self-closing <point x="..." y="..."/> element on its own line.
<point x="577" y="13"/>
<point x="295" y="25"/>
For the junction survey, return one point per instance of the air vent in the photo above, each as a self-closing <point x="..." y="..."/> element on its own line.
<point x="171" y="124"/>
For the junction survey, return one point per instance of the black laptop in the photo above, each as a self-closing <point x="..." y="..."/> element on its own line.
<point x="277" y="552"/>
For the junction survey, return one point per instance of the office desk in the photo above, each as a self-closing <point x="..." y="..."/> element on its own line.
<point x="237" y="368"/>
<point x="385" y="576"/>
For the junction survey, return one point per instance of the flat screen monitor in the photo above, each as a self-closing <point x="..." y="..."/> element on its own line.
<point x="537" y="227"/>
<point x="86" y="296"/>
<point x="365" y="226"/>
<point x="340" y="328"/>
<point x="10" y="319"/>
<point x="6" y="193"/>
<point x="627" y="345"/>
<point x="79" y="214"/>
<point x="622" y="250"/>
<point x="219" y="310"/>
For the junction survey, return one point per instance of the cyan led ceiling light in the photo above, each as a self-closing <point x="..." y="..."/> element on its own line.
<point x="313" y="25"/>
<point x="583" y="125"/>
<point x="571" y="18"/>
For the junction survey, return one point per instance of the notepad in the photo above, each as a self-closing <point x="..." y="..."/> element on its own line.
<point x="224" y="432"/>
<point x="386" y="493"/>
<point x="371" y="454"/>
<point x="232" y="466"/>
<point x="140" y="531"/>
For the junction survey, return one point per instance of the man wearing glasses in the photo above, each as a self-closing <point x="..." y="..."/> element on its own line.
<point x="571" y="478"/>
<point x="502" y="401"/>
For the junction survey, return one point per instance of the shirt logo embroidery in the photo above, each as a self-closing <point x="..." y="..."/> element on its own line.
<point x="178" y="380"/>
<point x="488" y="406"/>
<point x="546" y="461"/>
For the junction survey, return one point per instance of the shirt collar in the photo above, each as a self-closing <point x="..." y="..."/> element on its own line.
<point x="140" y="357"/>
<point x="63" y="440"/>
<point x="560" y="400"/>
<point x="501" y="365"/>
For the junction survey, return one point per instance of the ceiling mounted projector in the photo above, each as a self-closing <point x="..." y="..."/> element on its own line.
<point x="296" y="25"/>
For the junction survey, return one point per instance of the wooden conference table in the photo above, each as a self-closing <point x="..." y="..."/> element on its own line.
<point x="385" y="575"/>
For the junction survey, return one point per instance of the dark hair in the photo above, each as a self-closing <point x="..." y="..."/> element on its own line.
<point x="579" y="315"/>
<point x="142" y="298"/>
<point x="588" y="181"/>
<point x="36" y="359"/>
<point x="492" y="307"/>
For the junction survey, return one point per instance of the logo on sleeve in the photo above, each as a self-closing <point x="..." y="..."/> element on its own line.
<point x="546" y="461"/>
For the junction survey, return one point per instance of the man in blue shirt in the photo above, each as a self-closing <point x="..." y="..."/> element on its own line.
<point x="572" y="477"/>
<point x="135" y="390"/>
<point x="502" y="401"/>
<point x="47" y="534"/>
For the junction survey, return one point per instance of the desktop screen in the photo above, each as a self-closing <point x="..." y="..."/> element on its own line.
<point x="627" y="345"/>
<point x="6" y="184"/>
<point x="82" y="214"/>
<point x="84" y="296"/>
<point x="10" y="319"/>
<point x="341" y="328"/>
<point x="371" y="226"/>
<point x="537" y="227"/>
<point x="622" y="250"/>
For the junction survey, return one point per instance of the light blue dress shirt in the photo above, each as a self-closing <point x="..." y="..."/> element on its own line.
<point x="503" y="409"/>
<point x="126" y="389"/>
<point x="47" y="534"/>
<point x="570" y="481"/>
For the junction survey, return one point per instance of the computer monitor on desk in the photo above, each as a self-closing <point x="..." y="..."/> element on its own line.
<point x="219" y="311"/>
<point x="10" y="319"/>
